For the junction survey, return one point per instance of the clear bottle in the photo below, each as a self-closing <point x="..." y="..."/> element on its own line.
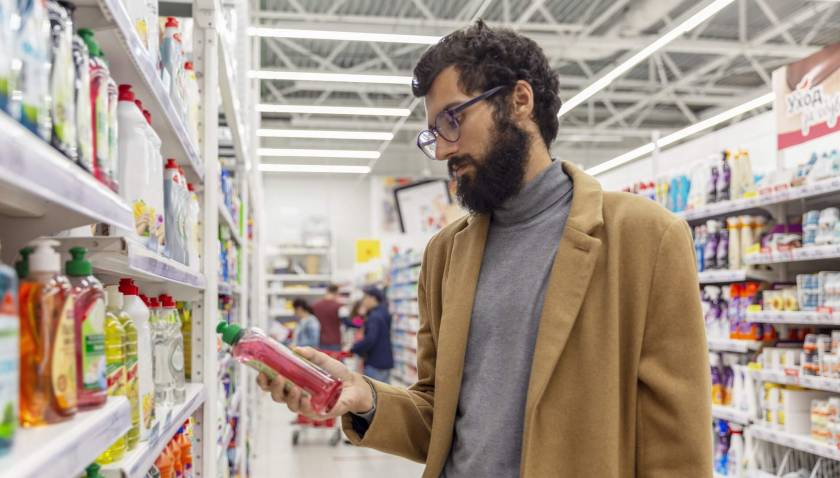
<point x="116" y="308"/>
<point x="160" y="352"/>
<point x="253" y="348"/>
<point x="9" y="357"/>
<point x="62" y="81"/>
<point x="115" y="358"/>
<point x="89" y="318"/>
<point x="136" y="308"/>
<point x="84" y="128"/>
<point x="176" y="348"/>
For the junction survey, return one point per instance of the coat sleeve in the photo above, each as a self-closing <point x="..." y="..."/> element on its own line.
<point x="373" y="329"/>
<point x="402" y="424"/>
<point x="674" y="419"/>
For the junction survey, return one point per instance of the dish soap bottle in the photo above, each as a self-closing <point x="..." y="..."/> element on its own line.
<point x="99" y="77"/>
<point x="160" y="352"/>
<point x="115" y="359"/>
<point x="33" y="42"/>
<point x="186" y="332"/>
<point x="253" y="348"/>
<point x="48" y="360"/>
<point x="135" y="307"/>
<point x="176" y="347"/>
<point x="89" y="317"/>
<point x="115" y="307"/>
<point x="9" y="358"/>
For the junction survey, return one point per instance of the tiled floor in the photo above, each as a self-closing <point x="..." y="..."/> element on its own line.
<point x="313" y="457"/>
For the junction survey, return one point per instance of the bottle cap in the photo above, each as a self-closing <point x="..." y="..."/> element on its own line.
<point x="153" y="303"/>
<point x="78" y="266"/>
<point x="45" y="258"/>
<point x="231" y="333"/>
<point x="171" y="164"/>
<point x="22" y="266"/>
<point x="87" y="36"/>
<point x="190" y="187"/>
<point x="128" y="287"/>
<point x="144" y="299"/>
<point x="92" y="471"/>
<point x="125" y="93"/>
<point x="188" y="66"/>
<point x="114" y="297"/>
<point x="171" y="22"/>
<point x="167" y="301"/>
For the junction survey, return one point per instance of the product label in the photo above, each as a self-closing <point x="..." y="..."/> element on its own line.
<point x="101" y="115"/>
<point x="93" y="347"/>
<point x="177" y="358"/>
<point x="116" y="378"/>
<point x="143" y="217"/>
<point x="147" y="408"/>
<point x="9" y="366"/>
<point x="261" y="367"/>
<point x="63" y="92"/>
<point x="64" y="358"/>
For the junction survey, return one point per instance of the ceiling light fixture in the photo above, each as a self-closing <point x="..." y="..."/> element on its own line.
<point x="672" y="138"/>
<point x="332" y="110"/>
<point x="333" y="77"/>
<point x="320" y="134"/>
<point x="317" y="153"/>
<point x="313" y="168"/>
<point x="689" y="24"/>
<point x="268" y="32"/>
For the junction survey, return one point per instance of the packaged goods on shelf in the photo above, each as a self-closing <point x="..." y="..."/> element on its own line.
<point x="230" y="196"/>
<point x="228" y="258"/>
<point x="728" y="448"/>
<point x="9" y="356"/>
<point x="723" y="244"/>
<point x="725" y="310"/>
<point x="180" y="215"/>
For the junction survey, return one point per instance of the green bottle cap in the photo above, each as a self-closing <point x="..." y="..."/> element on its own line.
<point x="78" y="266"/>
<point x="231" y="333"/>
<point x="22" y="266"/>
<point x="93" y="47"/>
<point x="93" y="471"/>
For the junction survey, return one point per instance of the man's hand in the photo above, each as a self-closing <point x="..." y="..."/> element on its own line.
<point x="356" y="395"/>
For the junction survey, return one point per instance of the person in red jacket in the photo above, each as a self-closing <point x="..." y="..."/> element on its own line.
<point x="327" y="312"/>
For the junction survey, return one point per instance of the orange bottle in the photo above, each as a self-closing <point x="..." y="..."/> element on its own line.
<point x="186" y="447"/>
<point x="165" y="465"/>
<point x="178" y="456"/>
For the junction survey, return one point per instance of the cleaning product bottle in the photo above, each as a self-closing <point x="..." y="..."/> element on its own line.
<point x="135" y="307"/>
<point x="115" y="307"/>
<point x="717" y="380"/>
<point x="172" y="203"/>
<point x="728" y="379"/>
<point x="738" y="388"/>
<point x="710" y="254"/>
<point x="9" y="20"/>
<point x="735" y="457"/>
<point x="186" y="445"/>
<point x="194" y="231"/>
<point x="186" y="332"/>
<point x="84" y="126"/>
<point x="154" y="192"/>
<point x="153" y="24"/>
<point x="722" y="259"/>
<point x="33" y="51"/>
<point x="9" y="357"/>
<point x="724" y="183"/>
<point x="734" y="239"/>
<point x="89" y="317"/>
<point x="169" y="53"/>
<point x="160" y="351"/>
<point x="99" y="77"/>
<point x="62" y="81"/>
<point x="193" y="98"/>
<point x="48" y="363"/>
<point x="134" y="161"/>
<point x="113" y="134"/>
<point x="115" y="357"/>
<point x="164" y="464"/>
<point x="253" y="348"/>
<point x="176" y="347"/>
<point x="711" y="187"/>
<point x="92" y="471"/>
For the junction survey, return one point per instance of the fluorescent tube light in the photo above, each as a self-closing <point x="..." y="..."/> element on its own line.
<point x="682" y="134"/>
<point x="333" y="110"/>
<point x="336" y="77"/>
<point x="268" y="32"/>
<point x="313" y="168"/>
<point x="320" y="134"/>
<point x="686" y="26"/>
<point x="317" y="153"/>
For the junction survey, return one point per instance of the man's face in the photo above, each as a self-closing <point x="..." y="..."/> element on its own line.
<point x="368" y="303"/>
<point x="488" y="159"/>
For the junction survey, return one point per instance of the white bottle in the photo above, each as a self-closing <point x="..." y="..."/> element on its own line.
<point x="738" y="388"/>
<point x="175" y="340"/>
<point x="172" y="203"/>
<point x="134" y="161"/>
<point x="154" y="193"/>
<point x="134" y="306"/>
<point x="194" y="242"/>
<point x="735" y="456"/>
<point x="153" y="25"/>
<point x="192" y="99"/>
<point x="160" y="352"/>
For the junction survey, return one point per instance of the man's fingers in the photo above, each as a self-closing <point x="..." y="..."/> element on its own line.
<point x="293" y="399"/>
<point x="263" y="382"/>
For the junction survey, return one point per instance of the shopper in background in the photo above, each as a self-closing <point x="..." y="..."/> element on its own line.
<point x="375" y="347"/>
<point x="308" y="330"/>
<point x="561" y="332"/>
<point x="327" y="312"/>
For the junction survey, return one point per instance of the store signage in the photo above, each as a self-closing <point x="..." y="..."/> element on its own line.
<point x="808" y="98"/>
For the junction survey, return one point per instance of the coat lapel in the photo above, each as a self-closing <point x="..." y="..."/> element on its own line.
<point x="569" y="279"/>
<point x="459" y="286"/>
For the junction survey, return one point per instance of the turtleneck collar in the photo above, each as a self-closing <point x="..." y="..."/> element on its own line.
<point x="544" y="191"/>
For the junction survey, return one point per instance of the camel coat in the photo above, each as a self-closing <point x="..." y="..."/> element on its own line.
<point x="619" y="383"/>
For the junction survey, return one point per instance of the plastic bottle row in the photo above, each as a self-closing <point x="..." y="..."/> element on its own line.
<point x="68" y="343"/>
<point x="723" y="244"/>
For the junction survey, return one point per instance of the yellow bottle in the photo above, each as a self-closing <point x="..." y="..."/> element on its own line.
<point x="115" y="365"/>
<point x="132" y="388"/>
<point x="186" y="330"/>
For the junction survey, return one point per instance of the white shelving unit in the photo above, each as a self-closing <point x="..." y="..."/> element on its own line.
<point x="797" y="442"/>
<point x="734" y="346"/>
<point x="231" y="224"/>
<point x="65" y="449"/>
<point x="298" y="278"/>
<point x="730" y="414"/>
<point x="802" y="254"/>
<point x="804" y="381"/>
<point x="723" y="276"/>
<point x="291" y="292"/>
<point x="795" y="318"/>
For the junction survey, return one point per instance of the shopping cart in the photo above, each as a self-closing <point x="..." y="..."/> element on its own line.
<point x="302" y="423"/>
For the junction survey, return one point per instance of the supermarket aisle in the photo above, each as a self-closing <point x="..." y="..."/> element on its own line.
<point x="313" y="457"/>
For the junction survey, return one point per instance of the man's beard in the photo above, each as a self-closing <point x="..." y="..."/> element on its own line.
<point x="499" y="176"/>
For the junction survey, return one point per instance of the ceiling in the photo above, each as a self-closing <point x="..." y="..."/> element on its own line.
<point x="720" y="64"/>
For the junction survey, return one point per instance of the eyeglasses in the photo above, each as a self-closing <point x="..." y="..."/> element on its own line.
<point x="447" y="125"/>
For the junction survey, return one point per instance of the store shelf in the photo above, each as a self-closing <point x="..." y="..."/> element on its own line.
<point x="36" y="181"/>
<point x="724" y="276"/>
<point x="130" y="62"/>
<point x="795" y="318"/>
<point x="731" y="414"/>
<point x="227" y="288"/>
<point x="121" y="257"/>
<point x="136" y="463"/>
<point x="734" y="346"/>
<point x="298" y="277"/>
<point x="802" y="254"/>
<point x="282" y="313"/>
<point x="797" y="442"/>
<point x="230" y="101"/>
<point x="65" y="449"/>
<point x="225" y="216"/>
<point x="819" y="188"/>
<point x="804" y="381"/>
<point x="297" y="292"/>
<point x="301" y="251"/>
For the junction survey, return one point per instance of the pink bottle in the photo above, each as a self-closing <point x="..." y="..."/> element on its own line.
<point x="253" y="348"/>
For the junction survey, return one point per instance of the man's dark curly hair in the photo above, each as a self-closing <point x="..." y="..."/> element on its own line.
<point x="488" y="57"/>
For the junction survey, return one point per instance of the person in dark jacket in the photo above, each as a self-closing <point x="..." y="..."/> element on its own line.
<point x="375" y="347"/>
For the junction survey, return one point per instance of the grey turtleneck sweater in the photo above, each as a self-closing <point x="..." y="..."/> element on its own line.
<point x="521" y="243"/>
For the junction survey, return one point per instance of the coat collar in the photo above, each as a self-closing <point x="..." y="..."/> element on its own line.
<point x="571" y="272"/>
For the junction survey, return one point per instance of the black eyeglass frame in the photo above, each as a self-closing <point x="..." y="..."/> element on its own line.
<point x="450" y="115"/>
